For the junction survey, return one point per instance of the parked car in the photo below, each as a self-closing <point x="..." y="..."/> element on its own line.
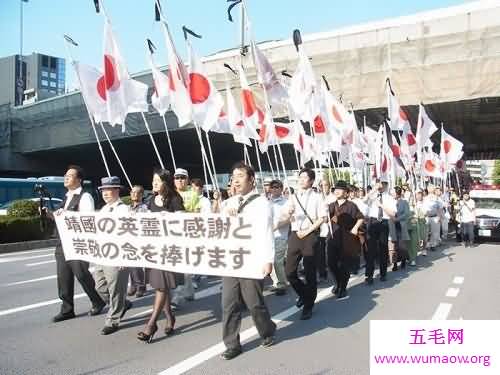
<point x="487" y="212"/>
<point x="56" y="203"/>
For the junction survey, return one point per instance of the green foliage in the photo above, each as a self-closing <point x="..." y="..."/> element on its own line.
<point x="330" y="175"/>
<point x="18" y="229"/>
<point x="127" y="200"/>
<point x="23" y="208"/>
<point x="496" y="172"/>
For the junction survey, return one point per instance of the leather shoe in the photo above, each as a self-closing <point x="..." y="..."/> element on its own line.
<point x="131" y="291"/>
<point x="128" y="306"/>
<point x="108" y="330"/>
<point x="342" y="294"/>
<point x="231" y="353"/>
<point x="140" y="293"/>
<point x="299" y="302"/>
<point x="63" y="316"/>
<point x="306" y="314"/>
<point x="383" y="278"/>
<point x="96" y="310"/>
<point x="369" y="280"/>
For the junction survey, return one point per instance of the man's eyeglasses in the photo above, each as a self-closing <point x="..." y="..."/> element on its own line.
<point x="275" y="187"/>
<point x="180" y="177"/>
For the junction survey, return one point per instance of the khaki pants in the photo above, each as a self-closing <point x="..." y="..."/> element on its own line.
<point x="278" y="275"/>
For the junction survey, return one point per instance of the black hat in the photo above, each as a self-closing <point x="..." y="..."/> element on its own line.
<point x="342" y="185"/>
<point x="110" y="183"/>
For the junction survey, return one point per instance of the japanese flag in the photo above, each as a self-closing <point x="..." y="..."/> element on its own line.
<point x="160" y="99"/>
<point x="425" y="129"/>
<point x="239" y="128"/>
<point x="207" y="101"/>
<point x="89" y="76"/>
<point x="302" y="86"/>
<point x="431" y="165"/>
<point x="451" y="150"/>
<point x="121" y="94"/>
<point x="398" y="118"/>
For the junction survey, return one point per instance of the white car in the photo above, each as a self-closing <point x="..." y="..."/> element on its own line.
<point x="56" y="203"/>
<point x="487" y="202"/>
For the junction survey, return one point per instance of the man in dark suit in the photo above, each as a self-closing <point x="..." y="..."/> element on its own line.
<point x="76" y="200"/>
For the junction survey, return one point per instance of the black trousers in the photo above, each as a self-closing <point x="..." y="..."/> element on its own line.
<point x="138" y="278"/>
<point x="302" y="249"/>
<point x="237" y="292"/>
<point x="67" y="270"/>
<point x="320" y="253"/>
<point x="378" y="237"/>
<point x="337" y="264"/>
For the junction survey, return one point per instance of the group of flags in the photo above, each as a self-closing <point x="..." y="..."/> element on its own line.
<point x="320" y="127"/>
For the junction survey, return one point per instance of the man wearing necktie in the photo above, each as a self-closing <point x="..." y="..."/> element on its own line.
<point x="236" y="291"/>
<point x="381" y="207"/>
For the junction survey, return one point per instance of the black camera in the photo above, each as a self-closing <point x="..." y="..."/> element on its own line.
<point x="41" y="190"/>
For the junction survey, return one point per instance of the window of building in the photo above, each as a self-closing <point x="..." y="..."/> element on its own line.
<point x="53" y="63"/>
<point x="53" y="91"/>
<point x="45" y="82"/>
<point x="53" y="84"/>
<point x="44" y="73"/>
<point x="45" y="61"/>
<point x="53" y="75"/>
<point x="61" y="84"/>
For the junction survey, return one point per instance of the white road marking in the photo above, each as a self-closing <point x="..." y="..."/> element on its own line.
<point x="442" y="311"/>
<point x="39" y="263"/>
<point x="458" y="280"/>
<point x="211" y="291"/>
<point x="217" y="349"/>
<point x="452" y="292"/>
<point x="91" y="269"/>
<point x="18" y="259"/>
<point x="36" y="305"/>
<point x="26" y="252"/>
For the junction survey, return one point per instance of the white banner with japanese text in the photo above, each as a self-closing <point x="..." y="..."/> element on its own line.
<point x="208" y="244"/>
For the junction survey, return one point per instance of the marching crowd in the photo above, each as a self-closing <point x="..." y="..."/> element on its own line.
<point x="319" y="228"/>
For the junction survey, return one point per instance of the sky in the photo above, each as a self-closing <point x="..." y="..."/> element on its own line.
<point x="45" y="21"/>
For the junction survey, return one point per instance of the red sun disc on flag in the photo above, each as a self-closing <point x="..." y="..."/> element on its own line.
<point x="249" y="106"/>
<point x="430" y="166"/>
<point x="281" y="131"/>
<point x="402" y="114"/>
<point x="396" y="151"/>
<point x="319" y="125"/>
<point x="222" y="113"/>
<point x="410" y="139"/>
<point x="336" y="114"/>
<point x="447" y="146"/>
<point x="301" y="142"/>
<point x="262" y="133"/>
<point x="240" y="124"/>
<point x="109" y="81"/>
<point x="261" y="116"/>
<point x="385" y="164"/>
<point x="199" y="88"/>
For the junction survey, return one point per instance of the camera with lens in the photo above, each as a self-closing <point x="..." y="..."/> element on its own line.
<point x="41" y="190"/>
<point x="43" y="193"/>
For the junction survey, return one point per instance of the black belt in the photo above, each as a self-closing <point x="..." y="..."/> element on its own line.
<point x="377" y="220"/>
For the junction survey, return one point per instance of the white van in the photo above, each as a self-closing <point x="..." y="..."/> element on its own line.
<point x="487" y="202"/>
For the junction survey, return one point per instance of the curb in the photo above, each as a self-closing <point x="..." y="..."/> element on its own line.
<point x="27" y="245"/>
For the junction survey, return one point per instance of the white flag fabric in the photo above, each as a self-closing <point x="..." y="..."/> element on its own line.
<point x="180" y="99"/>
<point x="238" y="127"/>
<point x="207" y="101"/>
<point x="160" y="98"/>
<point x="121" y="93"/>
<point x="425" y="129"/>
<point x="451" y="150"/>
<point x="302" y="86"/>
<point x="89" y="77"/>
<point x="397" y="116"/>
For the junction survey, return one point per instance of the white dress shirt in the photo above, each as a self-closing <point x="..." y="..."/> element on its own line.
<point x="467" y="214"/>
<point x="279" y="206"/>
<point x="324" y="229"/>
<point x="313" y="203"/>
<point x="117" y="206"/>
<point x="86" y="201"/>
<point x="260" y="214"/>
<point x="432" y="205"/>
<point x="362" y="206"/>
<point x="388" y="202"/>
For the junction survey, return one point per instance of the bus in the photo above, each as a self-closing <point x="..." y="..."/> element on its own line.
<point x="12" y="189"/>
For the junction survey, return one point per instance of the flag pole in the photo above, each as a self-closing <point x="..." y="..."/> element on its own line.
<point x="116" y="154"/>
<point x="256" y="146"/>
<point x="276" y="161"/>
<point x="268" y="160"/>
<point x="169" y="141"/>
<point x="212" y="159"/>
<point x="91" y="118"/>
<point x="146" y="124"/>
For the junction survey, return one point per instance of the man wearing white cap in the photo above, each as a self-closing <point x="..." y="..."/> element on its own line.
<point x="111" y="282"/>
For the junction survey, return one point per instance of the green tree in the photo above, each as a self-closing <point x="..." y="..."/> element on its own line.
<point x="496" y="172"/>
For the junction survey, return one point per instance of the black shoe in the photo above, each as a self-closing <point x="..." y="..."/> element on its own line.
<point x="96" y="310"/>
<point x="395" y="267"/>
<point x="342" y="294"/>
<point x="299" y="302"/>
<point x="147" y="337"/>
<point x="369" y="280"/>
<point x="231" y="353"/>
<point x="433" y="249"/>
<point x="108" y="330"/>
<point x="306" y="314"/>
<point x="128" y="306"/>
<point x="335" y="290"/>
<point x="383" y="278"/>
<point x="403" y="264"/>
<point x="140" y="293"/>
<point x="131" y="291"/>
<point x="267" y="342"/>
<point x="280" y="291"/>
<point x="63" y="316"/>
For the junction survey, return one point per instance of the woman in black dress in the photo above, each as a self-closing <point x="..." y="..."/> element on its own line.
<point x="166" y="198"/>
